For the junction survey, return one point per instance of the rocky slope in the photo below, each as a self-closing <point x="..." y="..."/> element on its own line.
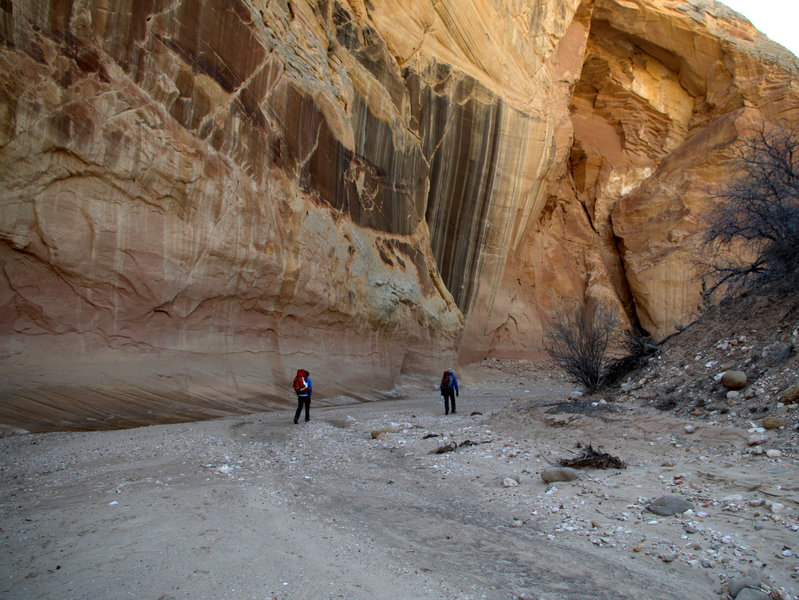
<point x="199" y="197"/>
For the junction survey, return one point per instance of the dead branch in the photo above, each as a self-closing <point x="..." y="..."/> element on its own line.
<point x="593" y="458"/>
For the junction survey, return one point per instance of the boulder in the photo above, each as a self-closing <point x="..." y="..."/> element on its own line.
<point x="733" y="379"/>
<point x="553" y="474"/>
<point x="752" y="594"/>
<point x="739" y="583"/>
<point x="669" y="505"/>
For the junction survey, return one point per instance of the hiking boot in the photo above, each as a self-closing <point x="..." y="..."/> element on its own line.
<point x="295" y="421"/>
<point x="306" y="420"/>
<point x="454" y="411"/>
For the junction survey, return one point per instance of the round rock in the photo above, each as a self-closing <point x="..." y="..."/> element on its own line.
<point x="669" y="505"/>
<point x="752" y="594"/>
<point x="790" y="395"/>
<point x="773" y="422"/>
<point x="733" y="379"/>
<point x="747" y="581"/>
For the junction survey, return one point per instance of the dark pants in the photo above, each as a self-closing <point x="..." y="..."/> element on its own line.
<point x="303" y="400"/>
<point x="449" y="396"/>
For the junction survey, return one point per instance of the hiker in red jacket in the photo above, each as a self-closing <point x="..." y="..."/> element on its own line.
<point x="303" y="388"/>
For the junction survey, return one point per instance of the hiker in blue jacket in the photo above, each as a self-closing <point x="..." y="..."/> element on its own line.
<point x="303" y="387"/>
<point x="449" y="389"/>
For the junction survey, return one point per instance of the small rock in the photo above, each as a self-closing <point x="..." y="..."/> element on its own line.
<point x="669" y="505"/>
<point x="773" y="422"/>
<point x="381" y="434"/>
<point x="790" y="395"/>
<point x="777" y="471"/>
<point x="733" y="395"/>
<point x="756" y="439"/>
<point x="668" y="557"/>
<point x="777" y="508"/>
<point x="509" y="482"/>
<point x="559" y="474"/>
<point x="773" y="453"/>
<point x="733" y="379"/>
<point x="733" y="498"/>
<point x="575" y="395"/>
<point x="689" y="428"/>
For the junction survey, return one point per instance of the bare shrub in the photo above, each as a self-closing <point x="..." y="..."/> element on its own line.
<point x="752" y="235"/>
<point x="578" y="341"/>
<point x="637" y="346"/>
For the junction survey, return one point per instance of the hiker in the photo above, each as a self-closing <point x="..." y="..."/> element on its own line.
<point x="303" y="387"/>
<point x="449" y="389"/>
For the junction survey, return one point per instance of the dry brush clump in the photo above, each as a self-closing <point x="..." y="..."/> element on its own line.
<point x="585" y="342"/>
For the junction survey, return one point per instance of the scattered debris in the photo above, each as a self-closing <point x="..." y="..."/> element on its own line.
<point x="593" y="458"/>
<point x="471" y="443"/>
<point x="453" y="445"/>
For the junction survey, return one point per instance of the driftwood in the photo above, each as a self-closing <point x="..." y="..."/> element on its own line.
<point x="452" y="446"/>
<point x="593" y="458"/>
<point x="471" y="443"/>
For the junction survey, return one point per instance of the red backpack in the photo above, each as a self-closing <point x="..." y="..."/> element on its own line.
<point x="446" y="382"/>
<point x="300" y="385"/>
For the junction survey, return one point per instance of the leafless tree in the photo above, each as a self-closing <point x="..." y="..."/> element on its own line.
<point x="578" y="341"/>
<point x="752" y="236"/>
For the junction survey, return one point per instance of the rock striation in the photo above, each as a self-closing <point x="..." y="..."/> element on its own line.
<point x="197" y="198"/>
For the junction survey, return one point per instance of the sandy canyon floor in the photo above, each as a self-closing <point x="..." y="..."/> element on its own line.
<point x="257" y="507"/>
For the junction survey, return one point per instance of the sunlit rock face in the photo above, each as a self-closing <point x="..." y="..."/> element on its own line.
<point x="663" y="92"/>
<point x="199" y="198"/>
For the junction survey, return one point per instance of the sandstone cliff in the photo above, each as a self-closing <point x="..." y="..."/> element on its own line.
<point x="200" y="196"/>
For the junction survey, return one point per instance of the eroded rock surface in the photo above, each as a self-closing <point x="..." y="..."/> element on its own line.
<point x="200" y="197"/>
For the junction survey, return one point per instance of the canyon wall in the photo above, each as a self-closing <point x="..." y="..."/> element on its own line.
<point x="199" y="197"/>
